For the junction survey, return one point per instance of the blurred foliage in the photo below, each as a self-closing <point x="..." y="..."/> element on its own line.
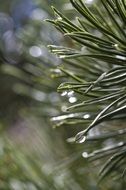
<point x="33" y="156"/>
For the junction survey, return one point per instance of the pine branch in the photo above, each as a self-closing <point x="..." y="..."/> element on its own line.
<point x="96" y="73"/>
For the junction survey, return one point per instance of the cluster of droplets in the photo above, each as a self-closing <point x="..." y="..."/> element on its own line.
<point x="80" y="137"/>
<point x="71" y="97"/>
<point x="71" y="115"/>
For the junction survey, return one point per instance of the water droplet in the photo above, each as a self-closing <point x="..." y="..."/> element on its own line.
<point x="80" y="137"/>
<point x="120" y="143"/>
<point x="70" y="93"/>
<point x="116" y="45"/>
<point x="64" y="93"/>
<point x="71" y="140"/>
<point x="63" y="117"/>
<point x="85" y="154"/>
<point x="120" y="57"/>
<point x="62" y="56"/>
<point x="72" y="99"/>
<point x="57" y="71"/>
<point x="64" y="108"/>
<point x="86" y="116"/>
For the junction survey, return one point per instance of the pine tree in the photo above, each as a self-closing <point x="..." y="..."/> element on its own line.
<point x="92" y="72"/>
<point x="94" y="75"/>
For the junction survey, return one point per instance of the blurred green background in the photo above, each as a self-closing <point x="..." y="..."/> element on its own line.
<point x="33" y="155"/>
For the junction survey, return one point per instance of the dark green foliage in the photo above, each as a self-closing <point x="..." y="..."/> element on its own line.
<point x="94" y="70"/>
